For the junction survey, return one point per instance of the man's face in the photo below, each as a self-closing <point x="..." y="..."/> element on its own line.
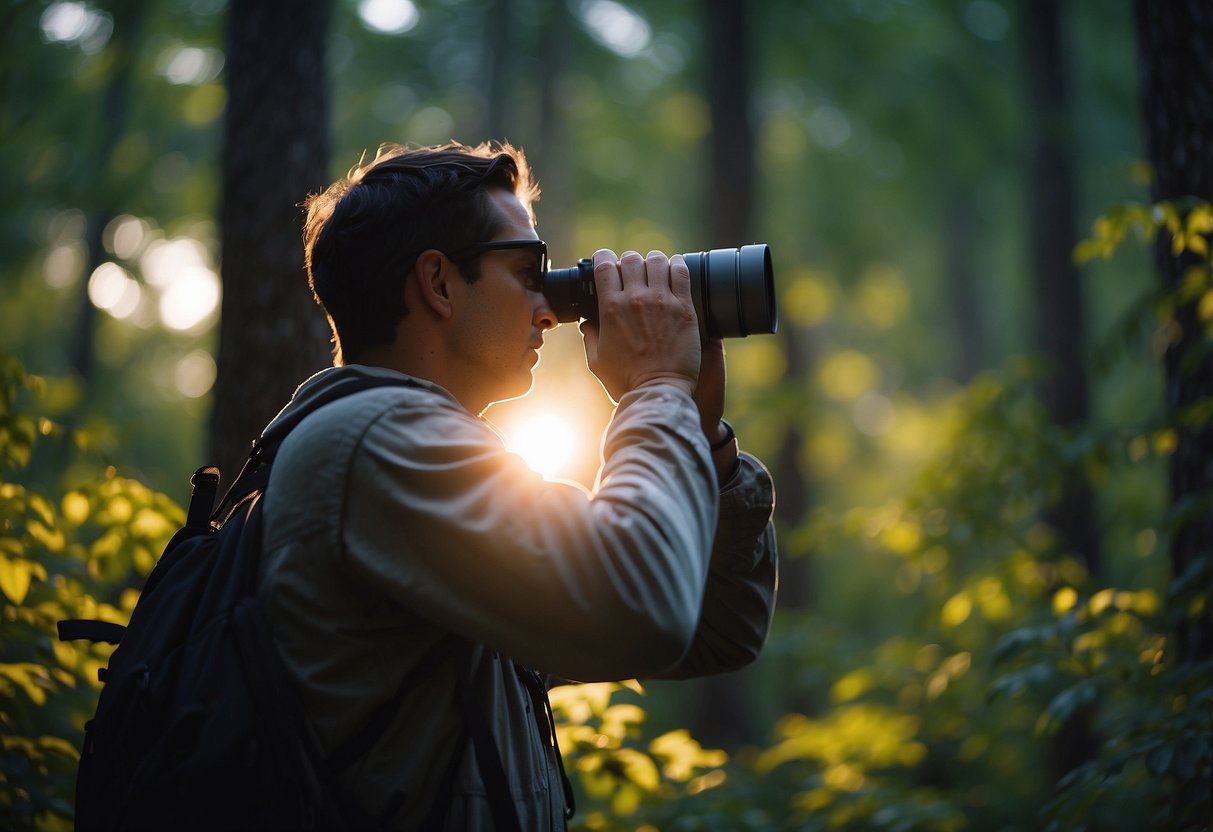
<point x="499" y="325"/>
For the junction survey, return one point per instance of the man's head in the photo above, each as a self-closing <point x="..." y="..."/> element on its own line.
<point x="364" y="233"/>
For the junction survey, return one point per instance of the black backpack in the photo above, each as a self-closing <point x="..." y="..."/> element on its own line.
<point x="199" y="726"/>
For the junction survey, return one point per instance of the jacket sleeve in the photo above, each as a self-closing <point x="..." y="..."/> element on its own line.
<point x="607" y="586"/>
<point x="739" y="600"/>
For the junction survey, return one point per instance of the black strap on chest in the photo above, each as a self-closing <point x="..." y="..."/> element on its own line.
<point x="537" y="689"/>
<point x="488" y="758"/>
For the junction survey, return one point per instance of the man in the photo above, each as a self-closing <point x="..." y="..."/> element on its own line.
<point x="395" y="518"/>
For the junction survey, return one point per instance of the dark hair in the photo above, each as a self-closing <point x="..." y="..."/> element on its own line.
<point x="362" y="235"/>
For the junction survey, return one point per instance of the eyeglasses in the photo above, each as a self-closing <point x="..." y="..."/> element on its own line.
<point x="477" y="249"/>
<point x="533" y="282"/>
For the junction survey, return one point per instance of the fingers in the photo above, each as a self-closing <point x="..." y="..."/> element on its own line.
<point x="631" y="271"/>
<point x="589" y="336"/>
<point x="606" y="272"/>
<point x="680" y="278"/>
<point x="657" y="269"/>
<point x="646" y="328"/>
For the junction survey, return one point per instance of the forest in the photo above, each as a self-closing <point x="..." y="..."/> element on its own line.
<point x="988" y="409"/>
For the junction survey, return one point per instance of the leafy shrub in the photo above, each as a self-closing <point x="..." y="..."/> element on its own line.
<point x="75" y="554"/>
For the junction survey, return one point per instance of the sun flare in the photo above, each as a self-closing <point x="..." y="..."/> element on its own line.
<point x="545" y="442"/>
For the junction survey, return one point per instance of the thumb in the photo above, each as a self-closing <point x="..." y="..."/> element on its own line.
<point x="589" y="338"/>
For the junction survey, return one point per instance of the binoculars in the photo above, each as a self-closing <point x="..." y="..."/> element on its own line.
<point x="732" y="288"/>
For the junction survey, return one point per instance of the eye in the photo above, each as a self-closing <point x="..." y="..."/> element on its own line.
<point x="532" y="278"/>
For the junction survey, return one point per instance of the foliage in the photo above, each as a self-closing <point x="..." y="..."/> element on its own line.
<point x="619" y="771"/>
<point x="1009" y="644"/>
<point x="1189" y="225"/>
<point x="70" y="554"/>
<point x="951" y="645"/>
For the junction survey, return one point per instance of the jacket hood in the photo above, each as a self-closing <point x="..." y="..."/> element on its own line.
<point x="337" y="382"/>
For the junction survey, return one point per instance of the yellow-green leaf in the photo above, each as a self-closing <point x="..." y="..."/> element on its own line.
<point x="639" y="768"/>
<point x="75" y="508"/>
<point x="48" y="536"/>
<point x="28" y="677"/>
<point x="14" y="578"/>
<point x="58" y="745"/>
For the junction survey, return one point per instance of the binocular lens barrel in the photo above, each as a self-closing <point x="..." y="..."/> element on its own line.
<point x="733" y="290"/>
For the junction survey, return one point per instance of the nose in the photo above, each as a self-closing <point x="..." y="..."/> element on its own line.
<point x="544" y="318"/>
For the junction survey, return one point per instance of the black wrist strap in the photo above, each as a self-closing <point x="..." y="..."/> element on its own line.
<point x="729" y="436"/>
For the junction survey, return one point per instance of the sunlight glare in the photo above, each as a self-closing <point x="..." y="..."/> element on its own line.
<point x="191" y="299"/>
<point x="112" y="289"/>
<point x="616" y="27"/>
<point x="71" y="22"/>
<point x="544" y="442"/>
<point x="389" y="17"/>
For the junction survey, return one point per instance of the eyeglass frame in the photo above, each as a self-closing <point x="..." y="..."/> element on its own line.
<point x="477" y="249"/>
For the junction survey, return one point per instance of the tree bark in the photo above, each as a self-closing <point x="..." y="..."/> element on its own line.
<point x="731" y="200"/>
<point x="1059" y="315"/>
<point x="275" y="151"/>
<point x="1175" y="42"/>
<point x="721" y="714"/>
<point x="1060" y="322"/>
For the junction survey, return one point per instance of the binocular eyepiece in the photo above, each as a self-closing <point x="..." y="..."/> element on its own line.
<point x="733" y="291"/>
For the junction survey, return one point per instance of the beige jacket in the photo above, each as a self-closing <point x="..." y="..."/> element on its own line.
<point x="395" y="516"/>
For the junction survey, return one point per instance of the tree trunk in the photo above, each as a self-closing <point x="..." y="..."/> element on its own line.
<point x="1060" y="324"/>
<point x="1175" y="40"/>
<point x="731" y="201"/>
<point x="721" y="714"/>
<point x="271" y="335"/>
<point x="1058" y="313"/>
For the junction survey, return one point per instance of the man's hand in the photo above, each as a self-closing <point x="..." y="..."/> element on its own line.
<point x="647" y="331"/>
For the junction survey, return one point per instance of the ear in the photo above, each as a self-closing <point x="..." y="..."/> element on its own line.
<point x="433" y="273"/>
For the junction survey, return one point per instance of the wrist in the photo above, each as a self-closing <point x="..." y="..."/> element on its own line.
<point x="724" y="449"/>
<point x="721" y="437"/>
<point x="681" y="382"/>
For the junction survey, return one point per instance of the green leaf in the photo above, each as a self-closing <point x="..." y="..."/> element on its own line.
<point x="1188" y="757"/>
<point x="15" y="574"/>
<point x="1159" y="759"/>
<point x="1018" y="640"/>
<point x="1013" y="684"/>
<point x="1072" y="699"/>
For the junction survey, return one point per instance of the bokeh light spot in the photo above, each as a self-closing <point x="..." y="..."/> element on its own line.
<point x="616" y="27"/>
<point x="190" y="299"/>
<point x="882" y="296"/>
<point x="112" y="289"/>
<point x="388" y="17"/>
<point x="808" y="299"/>
<point x="847" y="375"/>
<point x="194" y="374"/>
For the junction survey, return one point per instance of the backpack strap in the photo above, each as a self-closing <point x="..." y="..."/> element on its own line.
<point x="90" y="629"/>
<point x="537" y="689"/>
<point x="488" y="758"/>
<point x="255" y="473"/>
<point x="205" y="484"/>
